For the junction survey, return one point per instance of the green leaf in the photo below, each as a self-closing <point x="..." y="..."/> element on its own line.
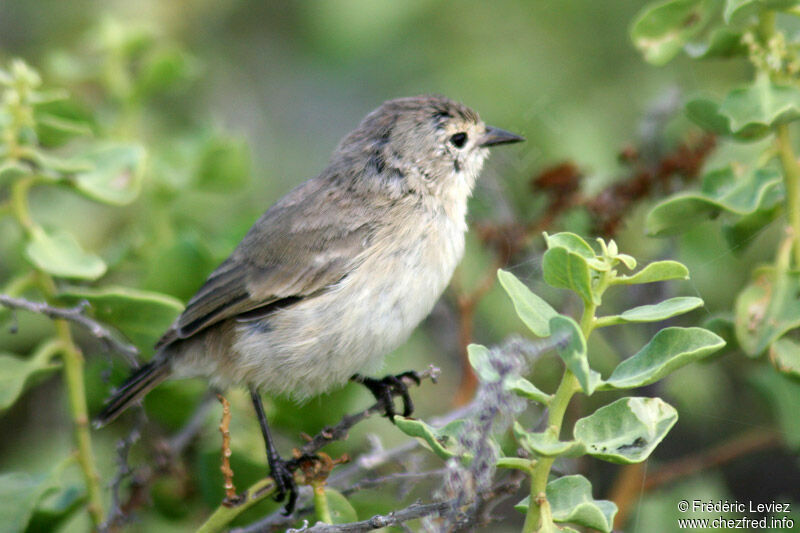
<point x="762" y="105"/>
<point x="19" y="494"/>
<point x="626" y="431"/>
<point x="522" y="387"/>
<point x="705" y="113"/>
<point x="15" y="373"/>
<point x="567" y="270"/>
<point x="737" y="10"/>
<point x="766" y="309"/>
<point x="668" y="350"/>
<point x="658" y="271"/>
<point x="60" y="121"/>
<point x="60" y="254"/>
<point x="116" y="176"/>
<point x="570" y="241"/>
<point x="660" y="311"/>
<point x="140" y="315"/>
<point x="571" y="501"/>
<point x="224" y="165"/>
<point x="342" y="511"/>
<point x="661" y="30"/>
<point x="785" y="355"/>
<point x="441" y="441"/>
<point x="546" y="443"/>
<point x="532" y="310"/>
<point x="573" y="352"/>
<point x="480" y="360"/>
<point x="724" y="43"/>
<point x="722" y="192"/>
<point x="61" y="165"/>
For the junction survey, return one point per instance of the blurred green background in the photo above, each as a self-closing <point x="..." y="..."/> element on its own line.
<point x="237" y="102"/>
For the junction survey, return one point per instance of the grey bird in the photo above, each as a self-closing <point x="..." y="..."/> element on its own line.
<point x="338" y="272"/>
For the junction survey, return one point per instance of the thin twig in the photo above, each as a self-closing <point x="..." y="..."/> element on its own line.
<point x="75" y="315"/>
<point x="412" y="512"/>
<point x="224" y="428"/>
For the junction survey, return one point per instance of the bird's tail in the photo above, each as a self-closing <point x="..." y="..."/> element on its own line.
<point x="139" y="384"/>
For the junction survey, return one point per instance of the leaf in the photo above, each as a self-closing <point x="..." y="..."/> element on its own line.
<point x="785" y="356"/>
<point x="546" y="443"/>
<point x="60" y="254"/>
<point x="572" y="242"/>
<point x="668" y="350"/>
<point x="705" y="113"/>
<point x="722" y="192"/>
<point x="532" y="310"/>
<point x="737" y="10"/>
<point x="766" y="309"/>
<point x="342" y="511"/>
<point x="660" y="311"/>
<point x="567" y="270"/>
<point x="573" y="351"/>
<point x="762" y="105"/>
<point x="140" y="315"/>
<point x="224" y="165"/>
<point x="441" y="441"/>
<point x="626" y="431"/>
<point x="15" y="373"/>
<point x="724" y="43"/>
<point x="571" y="501"/>
<point x="19" y="495"/>
<point x="661" y="30"/>
<point x="116" y="175"/>
<point x="480" y="360"/>
<point x="658" y="271"/>
<point x="522" y="387"/>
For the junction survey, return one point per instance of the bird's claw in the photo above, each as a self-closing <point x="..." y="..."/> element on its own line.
<point x="385" y="388"/>
<point x="283" y="475"/>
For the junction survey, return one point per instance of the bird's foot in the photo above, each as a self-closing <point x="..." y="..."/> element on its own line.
<point x="386" y="388"/>
<point x="282" y="473"/>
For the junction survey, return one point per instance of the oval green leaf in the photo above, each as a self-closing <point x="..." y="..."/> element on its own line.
<point x="60" y="254"/>
<point x="532" y="310"/>
<point x="573" y="351"/>
<point x="524" y="388"/>
<point x="737" y="10"/>
<point x="572" y="242"/>
<point x="342" y="511"/>
<point x="762" y="105"/>
<point x="662" y="310"/>
<point x="668" y="350"/>
<point x="19" y="495"/>
<point x="479" y="358"/>
<point x="15" y="373"/>
<point x="660" y="31"/>
<point x="724" y="43"/>
<point x="626" y="431"/>
<point x="767" y="309"/>
<point x="571" y="501"/>
<point x="785" y="355"/>
<point x="658" y="271"/>
<point x="441" y="441"/>
<point x="567" y="270"/>
<point x="546" y="443"/>
<point x="722" y="192"/>
<point x="116" y="175"/>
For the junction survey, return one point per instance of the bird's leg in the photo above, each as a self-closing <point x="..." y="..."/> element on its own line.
<point x="279" y="469"/>
<point x="385" y="388"/>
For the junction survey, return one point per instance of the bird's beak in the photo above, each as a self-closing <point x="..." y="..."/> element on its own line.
<point x="495" y="136"/>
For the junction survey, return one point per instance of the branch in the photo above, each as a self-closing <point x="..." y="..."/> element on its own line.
<point x="414" y="511"/>
<point x="75" y="315"/>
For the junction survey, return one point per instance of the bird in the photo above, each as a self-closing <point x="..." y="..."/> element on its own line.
<point x="337" y="273"/>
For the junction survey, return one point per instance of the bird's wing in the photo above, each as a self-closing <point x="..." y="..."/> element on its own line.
<point x="306" y="242"/>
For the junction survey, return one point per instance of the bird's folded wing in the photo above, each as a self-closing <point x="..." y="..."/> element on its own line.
<point x="302" y="245"/>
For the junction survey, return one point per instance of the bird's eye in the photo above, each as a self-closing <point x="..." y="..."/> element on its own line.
<point x="459" y="139"/>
